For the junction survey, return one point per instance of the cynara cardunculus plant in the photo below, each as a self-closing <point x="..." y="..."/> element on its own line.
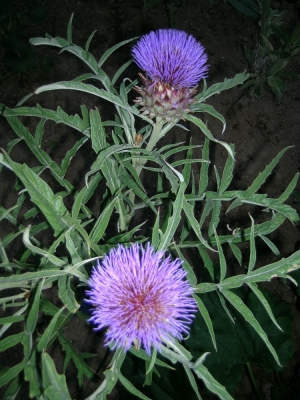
<point x="142" y="297"/>
<point x="174" y="63"/>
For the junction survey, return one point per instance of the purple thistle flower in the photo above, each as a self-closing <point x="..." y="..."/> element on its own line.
<point x="141" y="296"/>
<point x="172" y="57"/>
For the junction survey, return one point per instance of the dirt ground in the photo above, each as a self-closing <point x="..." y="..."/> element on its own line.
<point x="259" y="127"/>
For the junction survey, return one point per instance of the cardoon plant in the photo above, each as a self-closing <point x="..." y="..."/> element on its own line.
<point x="152" y="301"/>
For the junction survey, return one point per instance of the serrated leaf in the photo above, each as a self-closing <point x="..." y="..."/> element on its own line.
<point x="217" y="88"/>
<point x="67" y="294"/>
<point x="87" y="88"/>
<point x="280" y="269"/>
<point x="70" y="154"/>
<point x="174" y="220"/>
<point x="249" y="317"/>
<point x="98" y="135"/>
<point x="52" y="330"/>
<point x="77" y="358"/>
<point x="209" y="381"/>
<point x="227" y="172"/>
<point x="58" y="116"/>
<point x="31" y="320"/>
<point x="198" y="122"/>
<point x="102" y="221"/>
<point x="40" y="154"/>
<point x="264" y="302"/>
<point x="55" y="384"/>
<point x="41" y="194"/>
<point x="262" y="176"/>
<point x="189" y="212"/>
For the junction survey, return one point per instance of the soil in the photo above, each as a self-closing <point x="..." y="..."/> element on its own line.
<point x="259" y="127"/>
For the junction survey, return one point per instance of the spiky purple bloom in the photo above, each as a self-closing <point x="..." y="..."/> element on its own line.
<point x="174" y="63"/>
<point x="142" y="297"/>
<point x="172" y="57"/>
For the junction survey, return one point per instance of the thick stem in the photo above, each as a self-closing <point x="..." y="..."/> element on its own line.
<point x="138" y="163"/>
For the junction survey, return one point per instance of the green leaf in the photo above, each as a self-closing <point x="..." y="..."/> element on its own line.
<point x="11" y="341"/>
<point x="227" y="172"/>
<point x="41" y="194"/>
<point x="214" y="386"/>
<point x="13" y="389"/>
<point x="249" y="317"/>
<point x="207" y="261"/>
<point x="264" y="302"/>
<point x="66" y="293"/>
<point x="6" y="375"/>
<point x="58" y="116"/>
<point x="12" y="318"/>
<point x="102" y="221"/>
<point x="77" y="358"/>
<point x="280" y="339"/>
<point x="55" y="384"/>
<point x="289" y="190"/>
<point x="205" y="315"/>
<point x="280" y="269"/>
<point x="40" y="154"/>
<point x="192" y="381"/>
<point x="108" y="52"/>
<point x="190" y="273"/>
<point x="262" y="176"/>
<point x="252" y="258"/>
<point x="223" y="265"/>
<point x="189" y="212"/>
<point x="69" y="30"/>
<point x="237" y="252"/>
<point x="87" y="88"/>
<point x="203" y="178"/>
<point x="111" y="376"/>
<point x="52" y="330"/>
<point x="70" y="154"/>
<point x="129" y="386"/>
<point x="32" y="376"/>
<point x="215" y="217"/>
<point x="217" y="88"/>
<point x="31" y="320"/>
<point x="98" y="135"/>
<point x="271" y="245"/>
<point x="88" y="42"/>
<point x="174" y="220"/>
<point x="120" y="71"/>
<point x="198" y="122"/>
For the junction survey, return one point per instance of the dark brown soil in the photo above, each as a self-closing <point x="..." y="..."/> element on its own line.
<point x="259" y="127"/>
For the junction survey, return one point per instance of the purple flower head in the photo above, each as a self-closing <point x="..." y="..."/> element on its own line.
<point x="171" y="57"/>
<point x="142" y="297"/>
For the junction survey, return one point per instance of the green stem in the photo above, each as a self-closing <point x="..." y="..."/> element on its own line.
<point x="253" y="381"/>
<point x="138" y="163"/>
